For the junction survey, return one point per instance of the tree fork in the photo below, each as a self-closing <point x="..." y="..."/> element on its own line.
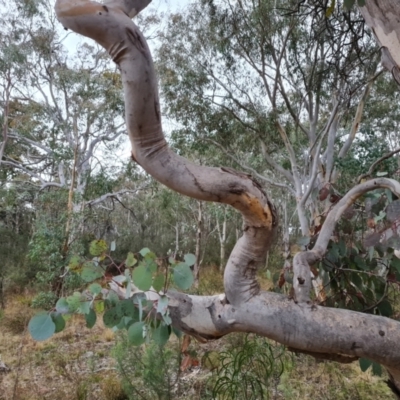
<point x="243" y="308"/>
<point x="114" y="30"/>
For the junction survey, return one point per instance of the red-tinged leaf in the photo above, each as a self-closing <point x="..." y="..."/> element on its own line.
<point x="186" y="362"/>
<point x="323" y="193"/>
<point x="282" y="280"/>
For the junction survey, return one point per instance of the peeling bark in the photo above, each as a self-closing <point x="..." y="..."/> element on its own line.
<point x="332" y="333"/>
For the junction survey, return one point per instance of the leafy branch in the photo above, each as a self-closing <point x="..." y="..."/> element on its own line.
<point x="136" y="299"/>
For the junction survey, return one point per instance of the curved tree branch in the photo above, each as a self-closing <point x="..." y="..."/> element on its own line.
<point x="115" y="31"/>
<point x="376" y="163"/>
<point x="303" y="260"/>
<point x="115" y="195"/>
<point x="243" y="307"/>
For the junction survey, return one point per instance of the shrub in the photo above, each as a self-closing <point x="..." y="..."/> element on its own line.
<point x="44" y="300"/>
<point x="149" y="371"/>
<point x="112" y="389"/>
<point x="248" y="371"/>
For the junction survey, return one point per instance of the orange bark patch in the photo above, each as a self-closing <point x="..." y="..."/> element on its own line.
<point x="263" y="214"/>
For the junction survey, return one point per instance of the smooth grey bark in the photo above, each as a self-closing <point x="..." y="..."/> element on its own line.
<point x="6" y="111"/>
<point x="222" y="239"/>
<point x="199" y="235"/>
<point x="382" y="16"/>
<point x="331" y="333"/>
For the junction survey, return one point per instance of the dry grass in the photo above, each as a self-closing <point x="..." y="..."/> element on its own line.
<point x="16" y="317"/>
<point x="69" y="366"/>
<point x="211" y="281"/>
<point x="310" y="379"/>
<point x="112" y="389"/>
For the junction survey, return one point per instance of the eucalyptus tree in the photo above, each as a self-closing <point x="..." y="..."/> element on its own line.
<point x="332" y="333"/>
<point x="59" y="116"/>
<point x="62" y="125"/>
<point x="279" y="90"/>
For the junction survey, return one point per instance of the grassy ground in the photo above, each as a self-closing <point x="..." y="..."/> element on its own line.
<point x="80" y="364"/>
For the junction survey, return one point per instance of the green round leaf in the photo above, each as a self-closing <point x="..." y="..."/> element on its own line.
<point x="98" y="247"/>
<point x="151" y="265"/>
<point x="90" y="272"/>
<point x="99" y="306"/>
<point x="130" y="260"/>
<point x="158" y="282"/>
<point x="59" y="322"/>
<point x="74" y="301"/>
<point x="136" y="333"/>
<point x="360" y="263"/>
<point x="161" y="334"/>
<point x="75" y="264"/>
<point x="84" y="308"/>
<point x="90" y="319"/>
<point x="62" y="306"/>
<point x="166" y="318"/>
<point x="385" y="308"/>
<point x="183" y="276"/>
<point x="95" y="289"/>
<point x="172" y="261"/>
<point x="112" y="317"/>
<point x="41" y="327"/>
<point x="112" y="298"/>
<point x="142" y="278"/>
<point x="144" y="251"/>
<point x="364" y="364"/>
<point x="190" y="259"/>
<point x="162" y="305"/>
<point x="395" y="263"/>
<point x="376" y="369"/>
<point x="128" y="309"/>
<point x="127" y="322"/>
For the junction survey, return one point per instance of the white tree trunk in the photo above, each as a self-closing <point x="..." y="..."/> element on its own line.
<point x="222" y="240"/>
<point x="199" y="234"/>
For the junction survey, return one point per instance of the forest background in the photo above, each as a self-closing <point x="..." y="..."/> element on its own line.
<point x="297" y="100"/>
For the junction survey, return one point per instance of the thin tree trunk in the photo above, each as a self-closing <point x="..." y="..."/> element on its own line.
<point x="199" y="234"/>
<point x="176" y="240"/>
<point x="58" y="284"/>
<point x="222" y="241"/>
<point x="6" y="113"/>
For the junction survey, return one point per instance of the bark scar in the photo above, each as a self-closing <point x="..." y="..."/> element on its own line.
<point x="136" y="39"/>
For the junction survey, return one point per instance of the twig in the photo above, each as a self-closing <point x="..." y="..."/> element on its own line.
<point x="378" y="161"/>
